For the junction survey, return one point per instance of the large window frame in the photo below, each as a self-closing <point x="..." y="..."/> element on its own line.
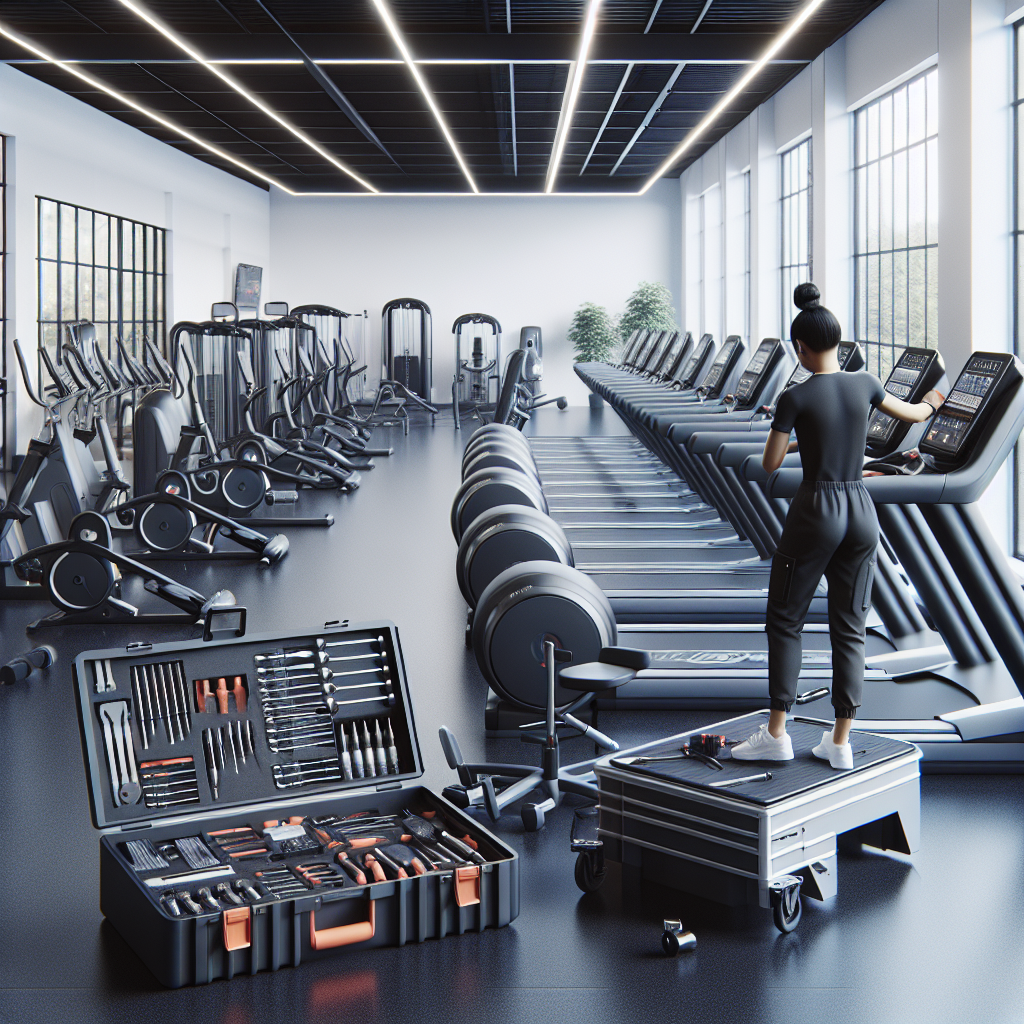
<point x="1018" y="271"/>
<point x="796" y="225"/>
<point x="896" y="239"/>
<point x="5" y="378"/>
<point x="100" y="267"/>
<point x="712" y="267"/>
<point x="747" y="258"/>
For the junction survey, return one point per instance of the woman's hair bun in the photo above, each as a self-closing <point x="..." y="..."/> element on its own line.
<point x="806" y="296"/>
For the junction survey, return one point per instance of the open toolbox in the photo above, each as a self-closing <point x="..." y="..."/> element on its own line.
<point x="257" y="802"/>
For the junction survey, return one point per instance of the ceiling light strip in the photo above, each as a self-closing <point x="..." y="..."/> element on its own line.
<point x="576" y="73"/>
<point x="399" y="41"/>
<point x="237" y="86"/>
<point x="159" y="119"/>
<point x="784" y="37"/>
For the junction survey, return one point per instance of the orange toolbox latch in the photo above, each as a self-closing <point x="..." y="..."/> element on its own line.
<point x="236" y="925"/>
<point x="467" y="885"/>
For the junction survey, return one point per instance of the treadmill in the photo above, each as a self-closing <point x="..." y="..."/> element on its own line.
<point x="967" y="712"/>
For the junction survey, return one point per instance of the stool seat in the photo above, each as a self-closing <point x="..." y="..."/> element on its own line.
<point x="614" y="667"/>
<point x="595" y="675"/>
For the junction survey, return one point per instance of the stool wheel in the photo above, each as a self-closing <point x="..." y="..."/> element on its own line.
<point x="533" y="817"/>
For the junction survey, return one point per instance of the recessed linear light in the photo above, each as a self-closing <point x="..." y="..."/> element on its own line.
<point x="95" y="83"/>
<point x="780" y="41"/>
<point x="192" y="52"/>
<point x="577" y="71"/>
<point x="399" y="41"/>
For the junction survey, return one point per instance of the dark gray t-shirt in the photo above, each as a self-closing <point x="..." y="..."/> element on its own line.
<point x="829" y="412"/>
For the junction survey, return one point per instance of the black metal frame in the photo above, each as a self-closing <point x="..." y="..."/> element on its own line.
<point x="135" y="267"/>
<point x="881" y="353"/>
<point x="793" y="270"/>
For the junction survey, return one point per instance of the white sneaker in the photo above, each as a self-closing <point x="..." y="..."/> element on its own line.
<point x="839" y="755"/>
<point x="763" y="746"/>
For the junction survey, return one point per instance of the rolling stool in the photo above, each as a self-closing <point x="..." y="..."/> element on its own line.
<point x="615" y="666"/>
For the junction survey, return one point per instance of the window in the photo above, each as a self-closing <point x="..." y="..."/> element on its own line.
<point x="95" y="266"/>
<point x="1018" y="272"/>
<point x="711" y="262"/>
<point x="3" y="302"/>
<point x="896" y="206"/>
<point x="747" y="255"/>
<point x="795" y="207"/>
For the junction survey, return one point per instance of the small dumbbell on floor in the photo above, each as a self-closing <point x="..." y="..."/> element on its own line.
<point x="675" y="939"/>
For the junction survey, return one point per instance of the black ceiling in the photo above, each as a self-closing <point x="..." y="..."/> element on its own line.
<point x="668" y="64"/>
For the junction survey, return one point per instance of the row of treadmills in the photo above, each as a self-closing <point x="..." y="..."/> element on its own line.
<point x="678" y="522"/>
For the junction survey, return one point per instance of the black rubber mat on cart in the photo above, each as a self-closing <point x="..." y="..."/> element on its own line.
<point x="804" y="772"/>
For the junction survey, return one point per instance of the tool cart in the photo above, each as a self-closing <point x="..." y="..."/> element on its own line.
<point x="746" y="832"/>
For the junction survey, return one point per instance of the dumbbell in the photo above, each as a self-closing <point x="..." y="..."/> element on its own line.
<point x="24" y="665"/>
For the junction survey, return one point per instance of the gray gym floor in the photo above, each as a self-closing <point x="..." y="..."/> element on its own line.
<point x="935" y="937"/>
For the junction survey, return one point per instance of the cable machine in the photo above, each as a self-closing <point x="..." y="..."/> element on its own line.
<point x="477" y="380"/>
<point x="407" y="345"/>
<point x="342" y="336"/>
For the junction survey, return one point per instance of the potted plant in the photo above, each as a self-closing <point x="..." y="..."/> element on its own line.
<point x="649" y="308"/>
<point x="593" y="338"/>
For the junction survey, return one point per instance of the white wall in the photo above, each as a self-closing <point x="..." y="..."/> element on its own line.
<point x="523" y="260"/>
<point x="64" y="149"/>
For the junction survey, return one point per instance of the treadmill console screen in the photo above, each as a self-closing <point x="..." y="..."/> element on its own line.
<point x="694" y="363"/>
<point x="720" y="367"/>
<point x="668" y="353"/>
<point x="762" y="361"/>
<point x="954" y="430"/>
<point x="657" y="337"/>
<point x="641" y="350"/>
<point x="916" y="372"/>
<point x="850" y="356"/>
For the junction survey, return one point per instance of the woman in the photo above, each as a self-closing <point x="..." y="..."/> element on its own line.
<point x="831" y="529"/>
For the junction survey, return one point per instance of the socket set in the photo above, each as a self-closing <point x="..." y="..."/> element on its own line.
<point x="314" y="730"/>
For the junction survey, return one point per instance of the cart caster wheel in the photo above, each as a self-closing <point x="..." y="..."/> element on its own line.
<point x="590" y="871"/>
<point x="562" y="404"/>
<point x="533" y="817"/>
<point x="786" y="906"/>
<point x="456" y="795"/>
<point x="675" y="940"/>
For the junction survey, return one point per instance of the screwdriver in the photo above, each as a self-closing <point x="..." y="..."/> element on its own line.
<point x="211" y="763"/>
<point x="392" y="751"/>
<point x="382" y="765"/>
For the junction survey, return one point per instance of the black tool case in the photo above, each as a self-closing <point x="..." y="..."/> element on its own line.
<point x="309" y="904"/>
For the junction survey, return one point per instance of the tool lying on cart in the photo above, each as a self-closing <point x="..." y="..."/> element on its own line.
<point x="260" y="852"/>
<point x="738" y="837"/>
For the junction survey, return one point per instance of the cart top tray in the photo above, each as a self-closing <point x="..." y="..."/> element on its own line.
<point x="789" y="778"/>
